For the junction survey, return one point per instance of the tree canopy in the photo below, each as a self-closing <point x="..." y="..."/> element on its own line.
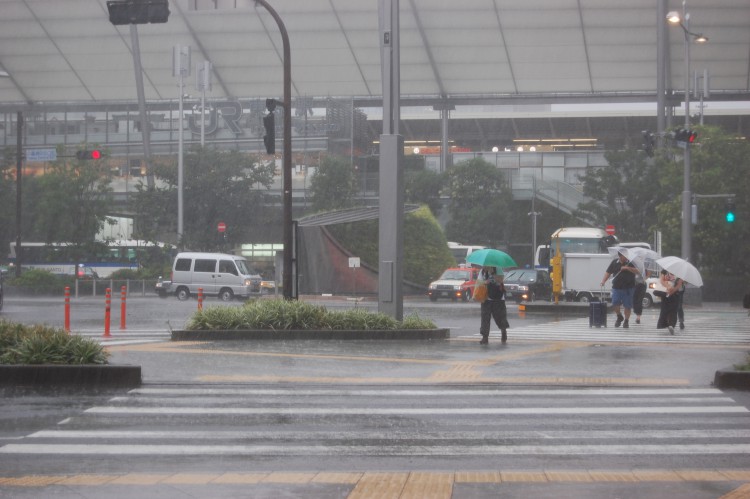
<point x="218" y="186"/>
<point x="479" y="203"/>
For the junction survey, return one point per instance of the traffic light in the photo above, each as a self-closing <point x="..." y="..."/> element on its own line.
<point x="685" y="135"/>
<point x="138" y="11"/>
<point x="649" y="141"/>
<point x="729" y="210"/>
<point x="269" y="139"/>
<point x="93" y="154"/>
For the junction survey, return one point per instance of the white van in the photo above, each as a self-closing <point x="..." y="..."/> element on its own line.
<point x="225" y="276"/>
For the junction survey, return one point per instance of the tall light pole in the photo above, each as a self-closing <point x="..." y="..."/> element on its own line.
<point x="683" y="20"/>
<point x="180" y="69"/>
<point x="290" y="287"/>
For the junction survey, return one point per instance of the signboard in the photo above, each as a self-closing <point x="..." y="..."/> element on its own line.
<point x="221" y="227"/>
<point x="354" y="262"/>
<point x="610" y="229"/>
<point x="41" y="155"/>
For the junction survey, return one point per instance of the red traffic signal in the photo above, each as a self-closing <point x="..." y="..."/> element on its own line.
<point x="685" y="135"/>
<point x="93" y="154"/>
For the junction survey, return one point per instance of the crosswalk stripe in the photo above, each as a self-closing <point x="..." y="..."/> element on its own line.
<point x="333" y="435"/>
<point x="729" y="329"/>
<point x="385" y="450"/>
<point x="473" y="411"/>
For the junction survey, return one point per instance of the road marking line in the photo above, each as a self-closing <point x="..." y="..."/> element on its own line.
<point x="366" y="450"/>
<point x="367" y="482"/>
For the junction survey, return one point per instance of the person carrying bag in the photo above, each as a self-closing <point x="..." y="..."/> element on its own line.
<point x="494" y="306"/>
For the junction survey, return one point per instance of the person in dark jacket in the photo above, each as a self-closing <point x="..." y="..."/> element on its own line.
<point x="494" y="306"/>
<point x="623" y="286"/>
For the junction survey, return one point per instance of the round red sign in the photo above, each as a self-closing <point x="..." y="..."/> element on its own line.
<point x="610" y="229"/>
<point x="221" y="227"/>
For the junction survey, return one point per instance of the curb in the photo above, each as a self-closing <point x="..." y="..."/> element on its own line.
<point x="79" y="376"/>
<point x="307" y="334"/>
<point x="731" y="378"/>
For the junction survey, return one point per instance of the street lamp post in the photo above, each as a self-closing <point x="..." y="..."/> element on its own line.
<point x="683" y="21"/>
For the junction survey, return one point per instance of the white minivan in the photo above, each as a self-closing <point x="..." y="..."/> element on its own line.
<point x="225" y="276"/>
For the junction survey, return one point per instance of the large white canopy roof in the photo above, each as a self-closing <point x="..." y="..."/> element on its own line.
<point x="67" y="51"/>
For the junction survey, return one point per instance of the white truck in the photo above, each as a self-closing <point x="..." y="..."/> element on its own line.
<point x="582" y="274"/>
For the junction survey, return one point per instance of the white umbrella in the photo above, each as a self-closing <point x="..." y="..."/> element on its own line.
<point x="637" y="256"/>
<point x="682" y="269"/>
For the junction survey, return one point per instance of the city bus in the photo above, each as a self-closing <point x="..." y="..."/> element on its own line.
<point x="102" y="257"/>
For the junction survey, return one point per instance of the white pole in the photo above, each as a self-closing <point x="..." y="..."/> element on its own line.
<point x="180" y="167"/>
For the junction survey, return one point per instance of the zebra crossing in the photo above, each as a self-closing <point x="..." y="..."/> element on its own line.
<point x="125" y="337"/>
<point x="450" y="426"/>
<point x="712" y="328"/>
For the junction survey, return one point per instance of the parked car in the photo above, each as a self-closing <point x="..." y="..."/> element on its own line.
<point x="162" y="287"/>
<point x="218" y="274"/>
<point x="456" y="283"/>
<point x="528" y="285"/>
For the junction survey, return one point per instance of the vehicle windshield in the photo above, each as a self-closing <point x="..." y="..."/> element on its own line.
<point x="580" y="245"/>
<point x="244" y="269"/>
<point x="456" y="275"/>
<point x="522" y="276"/>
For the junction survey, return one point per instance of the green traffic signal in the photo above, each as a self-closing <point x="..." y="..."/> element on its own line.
<point x="730" y="212"/>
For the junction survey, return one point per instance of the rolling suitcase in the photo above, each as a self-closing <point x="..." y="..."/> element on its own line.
<point x="598" y="311"/>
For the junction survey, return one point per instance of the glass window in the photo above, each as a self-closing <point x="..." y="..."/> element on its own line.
<point x="204" y="265"/>
<point x="227" y="267"/>
<point x="183" y="264"/>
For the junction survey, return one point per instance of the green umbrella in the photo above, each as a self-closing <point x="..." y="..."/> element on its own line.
<point x="491" y="258"/>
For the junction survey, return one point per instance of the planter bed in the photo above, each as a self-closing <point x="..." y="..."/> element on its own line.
<point x="79" y="376"/>
<point x="731" y="378"/>
<point x="308" y="334"/>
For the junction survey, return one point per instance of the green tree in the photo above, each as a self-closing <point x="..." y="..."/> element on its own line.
<point x="333" y="186"/>
<point x="624" y="194"/>
<point x="719" y="165"/>
<point x="69" y="203"/>
<point x="480" y="202"/>
<point x="218" y="186"/>
<point x="422" y="186"/>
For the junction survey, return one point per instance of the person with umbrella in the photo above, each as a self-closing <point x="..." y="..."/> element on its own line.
<point x="623" y="286"/>
<point x="492" y="262"/>
<point x="679" y="273"/>
<point x="494" y="306"/>
<point x="670" y="302"/>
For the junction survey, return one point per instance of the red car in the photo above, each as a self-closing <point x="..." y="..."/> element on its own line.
<point x="456" y="283"/>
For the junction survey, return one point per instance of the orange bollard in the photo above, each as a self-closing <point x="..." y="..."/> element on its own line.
<point x="200" y="298"/>
<point x="107" y="312"/>
<point x="123" y="307"/>
<point x="67" y="309"/>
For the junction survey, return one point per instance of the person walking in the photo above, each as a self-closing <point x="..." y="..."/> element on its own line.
<point x="670" y="303"/>
<point x="494" y="306"/>
<point x="623" y="285"/>
<point x="680" y="310"/>
<point x="638" y="295"/>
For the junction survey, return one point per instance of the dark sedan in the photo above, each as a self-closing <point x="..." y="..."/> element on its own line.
<point x="528" y="285"/>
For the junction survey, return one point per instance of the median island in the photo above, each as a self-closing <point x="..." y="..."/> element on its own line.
<point x="288" y="320"/>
